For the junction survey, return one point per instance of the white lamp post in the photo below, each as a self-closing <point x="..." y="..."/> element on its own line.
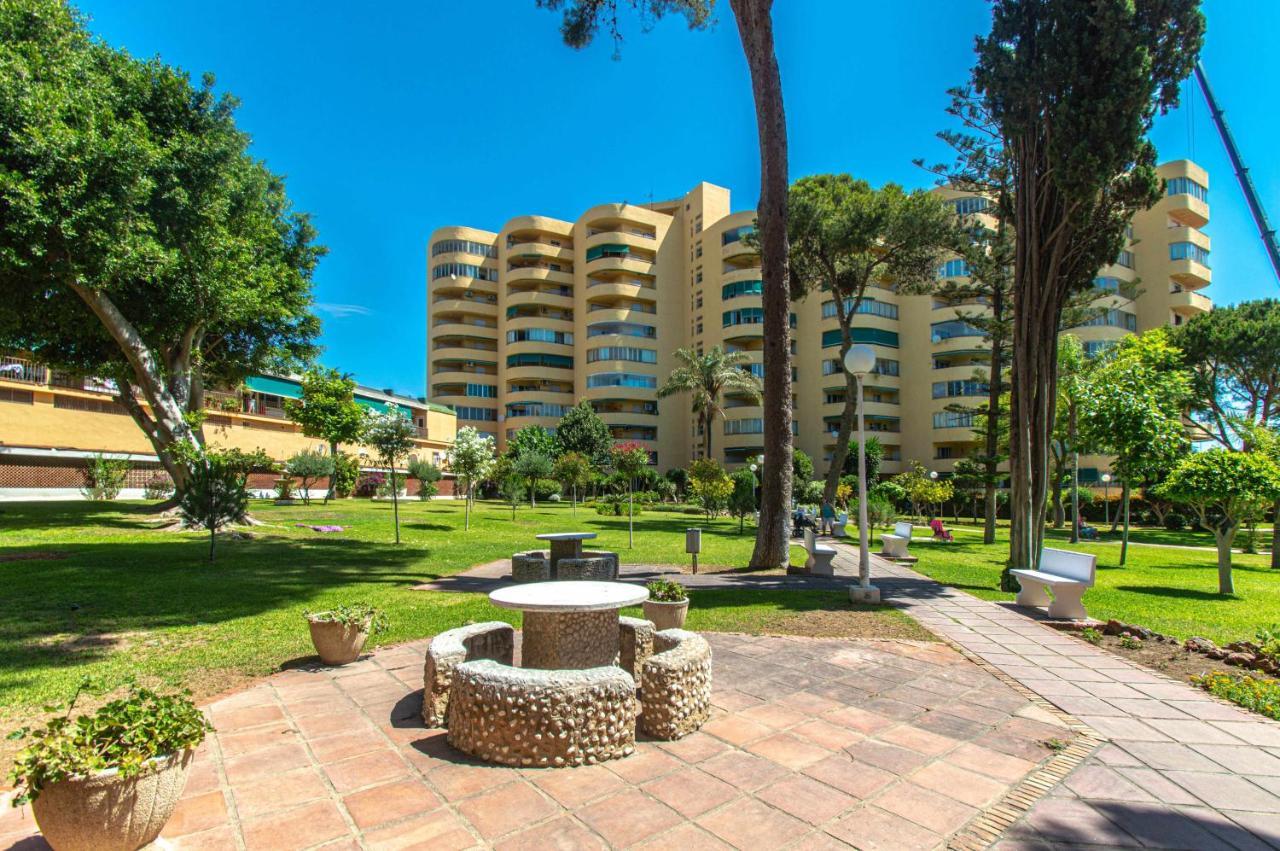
<point x="1106" y="499"/>
<point x="858" y="361"/>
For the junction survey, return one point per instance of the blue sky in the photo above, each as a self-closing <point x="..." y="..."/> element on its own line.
<point x="391" y="123"/>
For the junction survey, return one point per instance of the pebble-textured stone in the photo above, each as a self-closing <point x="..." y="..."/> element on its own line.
<point x="605" y="554"/>
<point x="635" y="645"/>
<point x="569" y="640"/>
<point x="533" y="566"/>
<point x="489" y="640"/>
<point x="596" y="569"/>
<point x="675" y="696"/>
<point x="523" y="717"/>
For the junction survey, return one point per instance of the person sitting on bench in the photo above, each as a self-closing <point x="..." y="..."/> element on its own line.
<point x="1087" y="532"/>
<point x="800" y="521"/>
<point x="939" y="531"/>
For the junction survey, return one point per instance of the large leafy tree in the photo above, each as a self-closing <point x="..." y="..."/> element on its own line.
<point x="534" y="440"/>
<point x="581" y="430"/>
<point x="582" y="21"/>
<point x="1234" y="355"/>
<point x="140" y="241"/>
<point x="846" y="236"/>
<point x="1073" y="86"/>
<point x="1132" y="408"/>
<point x="328" y="411"/>
<point x="708" y="377"/>
<point x="1225" y="488"/>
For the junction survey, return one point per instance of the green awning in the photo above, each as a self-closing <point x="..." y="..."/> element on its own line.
<point x="274" y="386"/>
<point x="381" y="407"/>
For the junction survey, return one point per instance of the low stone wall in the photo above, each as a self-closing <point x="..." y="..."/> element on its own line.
<point x="675" y="693"/>
<point x="489" y="640"/>
<point x="540" y="718"/>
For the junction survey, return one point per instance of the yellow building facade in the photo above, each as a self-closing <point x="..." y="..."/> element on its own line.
<point x="525" y="321"/>
<point x="51" y="422"/>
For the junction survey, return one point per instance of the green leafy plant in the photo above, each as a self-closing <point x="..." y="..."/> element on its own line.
<point x="104" y="477"/>
<point x="1256" y="694"/>
<point x="360" y="615"/>
<point x="1175" y="522"/>
<point x="123" y="734"/>
<point x="666" y="591"/>
<point x="215" y="495"/>
<point x="158" y="487"/>
<point x="1128" y="642"/>
<point x="1056" y="745"/>
<point x="1268" y="639"/>
<point x="1091" y="635"/>
<point x="284" y="487"/>
<point x="427" y="475"/>
<point x="307" y="466"/>
<point x="346" y="469"/>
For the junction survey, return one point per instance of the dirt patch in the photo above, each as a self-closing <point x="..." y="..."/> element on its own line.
<point x="38" y="555"/>
<point x="853" y="622"/>
<point x="1172" y="660"/>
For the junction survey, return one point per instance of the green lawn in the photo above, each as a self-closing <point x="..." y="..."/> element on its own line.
<point x="90" y="588"/>
<point x="1164" y="588"/>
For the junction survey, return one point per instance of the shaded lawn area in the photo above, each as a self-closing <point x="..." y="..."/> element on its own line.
<point x="1170" y="590"/>
<point x="91" y="589"/>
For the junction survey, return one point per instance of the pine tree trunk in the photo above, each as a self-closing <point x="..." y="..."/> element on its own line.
<point x="333" y="477"/>
<point x="1275" y="537"/>
<point x="1225" y="538"/>
<point x="995" y="388"/>
<point x="1124" y="539"/>
<point x="755" y="29"/>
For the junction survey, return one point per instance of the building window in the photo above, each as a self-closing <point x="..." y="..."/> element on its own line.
<point x="21" y="397"/>
<point x="697" y="252"/>
<point x="952" y="419"/>
<point x="463" y="270"/>
<point x="535" y="409"/>
<point x="735" y="234"/>
<point x="627" y="353"/>
<point x="1124" y="289"/>
<point x="1113" y="319"/>
<point x="867" y="307"/>
<point x="751" y="426"/>
<point x="539" y="359"/>
<point x="484" y="391"/>
<point x="621" y="379"/>
<point x="940" y="331"/>
<point x="1094" y="348"/>
<point x="969" y="206"/>
<point x="596" y="252"/>
<point x="481" y="414"/>
<point x="1188" y="251"/>
<point x="740" y="288"/>
<point x="1186" y="186"/>
<point x="465" y="246"/>
<point x="954" y="269"/>
<point x="1125" y="259"/>
<point x="540" y="335"/>
<point x="949" y="389"/>
<point x="697" y="279"/>
<point x="626" y="329"/>
<point x="743" y="316"/>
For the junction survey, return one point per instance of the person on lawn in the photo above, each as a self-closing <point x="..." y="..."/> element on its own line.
<point x="828" y="517"/>
<point x="939" y="531"/>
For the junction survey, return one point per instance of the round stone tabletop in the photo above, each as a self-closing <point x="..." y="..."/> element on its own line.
<point x="569" y="596"/>
<point x="566" y="536"/>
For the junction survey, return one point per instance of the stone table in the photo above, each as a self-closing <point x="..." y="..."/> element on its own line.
<point x="565" y="545"/>
<point x="569" y="625"/>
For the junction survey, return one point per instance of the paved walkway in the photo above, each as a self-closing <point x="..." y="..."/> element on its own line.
<point x="813" y="744"/>
<point x="1180" y="768"/>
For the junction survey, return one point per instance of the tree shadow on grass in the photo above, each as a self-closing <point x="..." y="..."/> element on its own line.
<point x="1176" y="593"/>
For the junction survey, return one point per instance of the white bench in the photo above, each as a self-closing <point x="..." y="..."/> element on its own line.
<point x="895" y="545"/>
<point x="837" y="527"/>
<point x="1067" y="573"/>
<point x="820" y="555"/>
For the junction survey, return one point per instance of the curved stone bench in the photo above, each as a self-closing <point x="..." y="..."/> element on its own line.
<point x="594" y="569"/>
<point x="675" y="694"/>
<point x="540" y="718"/>
<point x="489" y="640"/>
<point x="605" y="554"/>
<point x="533" y="566"/>
<point x="635" y="645"/>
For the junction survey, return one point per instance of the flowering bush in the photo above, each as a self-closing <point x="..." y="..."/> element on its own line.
<point x="1256" y="694"/>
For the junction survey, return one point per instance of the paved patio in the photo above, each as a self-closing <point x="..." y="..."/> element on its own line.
<point x="814" y="743"/>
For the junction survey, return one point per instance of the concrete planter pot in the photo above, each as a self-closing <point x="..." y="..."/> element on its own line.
<point x="286" y="501"/>
<point x="338" y="643"/>
<point x="107" y="812"/>
<point x="666" y="615"/>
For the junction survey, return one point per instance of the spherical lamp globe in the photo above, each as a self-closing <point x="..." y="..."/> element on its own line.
<point x="859" y="360"/>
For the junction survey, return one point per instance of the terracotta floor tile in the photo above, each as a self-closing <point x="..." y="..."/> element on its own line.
<point x="965" y="786"/>
<point x="561" y="834"/>
<point x="833" y="737"/>
<point x="506" y="808"/>
<point x="440" y="830"/>
<point x="806" y="798"/>
<point x="891" y="758"/>
<point x="218" y="839"/>
<point x="574" y="787"/>
<point x="201" y="812"/>
<point x="234" y="744"/>
<point x="685" y="837"/>
<point x="774" y="715"/>
<point x="736" y="730"/>
<point x="628" y="817"/>
<point x="751" y="824"/>
<point x="273" y="794"/>
<point x="695" y="747"/>
<point x="691" y="792"/>
<point x="460" y="780"/>
<point x="366" y="770"/>
<point x="789" y="751"/>
<point x="342" y="746"/>
<point x="850" y="776"/>
<point x="867" y="723"/>
<point x="265" y="763"/>
<point x="246" y="717"/>
<point x="988" y="762"/>
<point x="871" y="828"/>
<point x="300" y="827"/>
<point x="926" y="808"/>
<point x="643" y="765"/>
<point x="918" y="740"/>
<point x="743" y="770"/>
<point x="389" y="802"/>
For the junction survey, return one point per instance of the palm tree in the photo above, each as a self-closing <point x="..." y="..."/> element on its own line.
<point x="708" y="377"/>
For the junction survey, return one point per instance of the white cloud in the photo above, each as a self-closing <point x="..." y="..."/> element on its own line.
<point x="341" y="311"/>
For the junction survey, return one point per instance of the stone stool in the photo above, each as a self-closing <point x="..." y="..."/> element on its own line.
<point x="613" y="561"/>
<point x="675" y="693"/>
<point x="598" y="569"/>
<point x="533" y="566"/>
<point x="488" y="640"/>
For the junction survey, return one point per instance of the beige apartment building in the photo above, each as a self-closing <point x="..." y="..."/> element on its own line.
<point x="524" y="322"/>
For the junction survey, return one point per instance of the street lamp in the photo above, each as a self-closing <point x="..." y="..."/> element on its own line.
<point x="858" y="361"/>
<point x="1106" y="499"/>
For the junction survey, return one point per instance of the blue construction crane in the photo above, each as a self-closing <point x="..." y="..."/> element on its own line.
<point x="1267" y="232"/>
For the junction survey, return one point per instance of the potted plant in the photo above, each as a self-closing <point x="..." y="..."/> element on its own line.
<point x="109" y="780"/>
<point x="339" y="633"/>
<point x="284" y="491"/>
<point x="668" y="604"/>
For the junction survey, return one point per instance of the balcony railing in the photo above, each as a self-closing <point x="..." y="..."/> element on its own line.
<point x="21" y="369"/>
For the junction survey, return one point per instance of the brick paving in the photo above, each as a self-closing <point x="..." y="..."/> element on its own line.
<point x="1180" y="769"/>
<point x="814" y="743"/>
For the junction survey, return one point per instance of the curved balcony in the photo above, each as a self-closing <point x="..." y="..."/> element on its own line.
<point x="460" y="373"/>
<point x="746" y="332"/>
<point x="1189" y="273"/>
<point x="749" y="273"/>
<point x="463" y="307"/>
<point x="1189" y="303"/>
<point x="621" y="314"/>
<point x="553" y="323"/>
<point x="738" y="248"/>
<point x="537" y="224"/>
<point x="518" y="422"/>
<point x="539" y="298"/>
<point x="1188" y="209"/>
<point x="536" y="247"/>
<point x="562" y="397"/>
<point x="537" y="274"/>
<point x="724" y="441"/>
<point x="648" y="394"/>
<point x="629" y="238"/>
<point x="462" y="354"/>
<point x="467" y="289"/>
<point x="959" y="343"/>
<point x="630" y="263"/>
<point x="621" y="217"/>
<point x="448" y="330"/>
<point x="634" y="288"/>
<point x="536" y="347"/>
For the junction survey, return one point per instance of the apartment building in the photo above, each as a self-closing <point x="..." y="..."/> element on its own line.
<point x="525" y="321"/>
<point x="51" y="421"/>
